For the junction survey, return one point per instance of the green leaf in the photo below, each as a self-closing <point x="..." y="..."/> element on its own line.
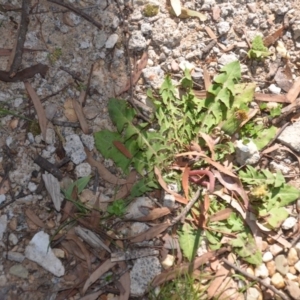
<point x="214" y="242"/>
<point x="80" y="184"/>
<point x="265" y="136"/>
<point x="235" y="222"/>
<point x="246" y="248"/>
<point x="120" y="113"/>
<point x="258" y="50"/>
<point x="104" y="143"/>
<point x="285" y="195"/>
<point x="142" y="186"/>
<point x="117" y="208"/>
<point x="276" y="216"/>
<point x="187" y="240"/>
<point x="244" y="93"/>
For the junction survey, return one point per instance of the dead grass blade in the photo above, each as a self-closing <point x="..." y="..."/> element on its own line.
<point x="207" y="81"/>
<point x="34" y="218"/>
<point x="82" y="247"/>
<point x="154" y="214"/>
<point x="212" y="35"/>
<point x="102" y="269"/>
<point x="126" y="188"/>
<point x="294" y="91"/>
<point x="184" y="268"/>
<point x="150" y="233"/>
<point x="121" y="147"/>
<point x="103" y="172"/>
<point x="221" y="215"/>
<point x="136" y="73"/>
<point x="185" y="181"/>
<point x="43" y="121"/>
<point x="233" y="184"/>
<point x="81" y="118"/>
<point x="161" y="181"/>
<point x="271" y="98"/>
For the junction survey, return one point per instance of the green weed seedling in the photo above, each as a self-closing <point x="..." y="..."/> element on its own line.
<point x="258" y="49"/>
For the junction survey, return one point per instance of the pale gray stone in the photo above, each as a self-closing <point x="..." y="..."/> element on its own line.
<point x="142" y="273"/>
<point x="38" y="250"/>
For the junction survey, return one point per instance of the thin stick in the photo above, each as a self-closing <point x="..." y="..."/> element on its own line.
<point x="254" y="278"/>
<point x="23" y="27"/>
<point x="77" y="11"/>
<point x="187" y="208"/>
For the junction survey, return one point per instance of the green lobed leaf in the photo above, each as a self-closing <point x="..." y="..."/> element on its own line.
<point x="276" y="216"/>
<point x="104" y="143"/>
<point x="187" y="240"/>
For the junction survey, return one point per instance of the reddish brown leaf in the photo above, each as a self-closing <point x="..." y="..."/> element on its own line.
<point x="294" y="91"/>
<point x="103" y="172"/>
<point x="185" y="181"/>
<point x="203" y="211"/>
<point x="221" y="215"/>
<point x="80" y="115"/>
<point x="209" y="142"/>
<point x="233" y="184"/>
<point x="214" y="285"/>
<point x="272" y="38"/>
<point x="213" y="36"/>
<point x="34" y="218"/>
<point x="184" y="268"/>
<point x="217" y="165"/>
<point x="150" y="233"/>
<point x="121" y="147"/>
<point x="161" y="181"/>
<point x="102" y="269"/>
<point x="126" y="188"/>
<point x="125" y="282"/>
<point x="137" y="72"/>
<point x="154" y="214"/>
<point x="43" y="121"/>
<point x="82" y="247"/>
<point x="216" y="11"/>
<point x="271" y="98"/>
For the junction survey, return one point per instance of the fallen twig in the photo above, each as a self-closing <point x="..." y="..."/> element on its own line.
<point x="254" y="278"/>
<point x="187" y="208"/>
<point x="77" y="11"/>
<point x="23" y="27"/>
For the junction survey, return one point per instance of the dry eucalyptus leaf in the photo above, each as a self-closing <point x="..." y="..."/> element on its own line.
<point x="69" y="111"/>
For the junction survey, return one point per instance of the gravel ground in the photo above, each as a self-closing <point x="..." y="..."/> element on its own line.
<point x="74" y="50"/>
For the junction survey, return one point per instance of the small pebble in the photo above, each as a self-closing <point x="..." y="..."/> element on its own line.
<point x="267" y="256"/>
<point x="289" y="223"/>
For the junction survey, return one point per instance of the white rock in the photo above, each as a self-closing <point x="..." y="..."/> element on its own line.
<point x="3" y="224"/>
<point x="53" y="188"/>
<point x="133" y="210"/>
<point x="227" y="58"/>
<point x="111" y="41"/>
<point x="169" y="201"/>
<point x="275" y="249"/>
<point x="38" y="250"/>
<point x="74" y="148"/>
<point x="223" y="27"/>
<point x="268" y="256"/>
<point x="2" y="198"/>
<point x="83" y="170"/>
<point x="168" y="261"/>
<point x="137" y="42"/>
<point x="14" y="256"/>
<point x="246" y="153"/>
<point x="186" y="65"/>
<point x="261" y="271"/>
<point x="291" y="136"/>
<point x="289" y="223"/>
<point x="142" y="273"/>
<point x="253" y="294"/>
<point x="274" y="89"/>
<point x="32" y="186"/>
<point x="88" y="141"/>
<point x="13" y="239"/>
<point x="297" y="266"/>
